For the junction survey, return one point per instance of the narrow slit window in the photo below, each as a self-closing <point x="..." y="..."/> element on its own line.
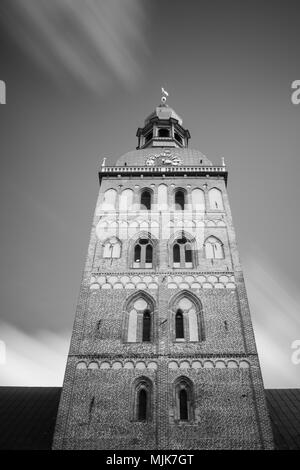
<point x="176" y="253"/>
<point x="188" y="253"/>
<point x="137" y="254"/>
<point x="179" y="326"/>
<point x="149" y="252"/>
<point x="146" y="326"/>
<point x="183" y="405"/>
<point x="142" y="405"/>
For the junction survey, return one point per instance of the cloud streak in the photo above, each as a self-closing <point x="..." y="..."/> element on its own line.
<point x="90" y="41"/>
<point x="32" y="360"/>
<point x="275" y="314"/>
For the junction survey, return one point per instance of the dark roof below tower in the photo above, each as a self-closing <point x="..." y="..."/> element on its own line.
<point x="27" y="417"/>
<point x="284" y="409"/>
<point x="28" y="414"/>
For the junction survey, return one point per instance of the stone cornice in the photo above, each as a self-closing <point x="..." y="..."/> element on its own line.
<point x="164" y="170"/>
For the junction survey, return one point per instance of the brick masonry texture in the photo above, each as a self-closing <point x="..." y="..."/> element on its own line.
<point x="96" y="409"/>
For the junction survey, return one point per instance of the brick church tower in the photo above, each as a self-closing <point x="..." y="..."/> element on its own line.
<point x="162" y="354"/>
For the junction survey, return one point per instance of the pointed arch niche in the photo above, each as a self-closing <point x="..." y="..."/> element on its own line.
<point x="187" y="324"/>
<point x="138" y="325"/>
<point x="183" y="400"/>
<point x="142" y="399"/>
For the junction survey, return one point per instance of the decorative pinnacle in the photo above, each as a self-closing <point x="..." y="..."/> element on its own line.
<point x="104" y="160"/>
<point x="165" y="94"/>
<point x="223" y="161"/>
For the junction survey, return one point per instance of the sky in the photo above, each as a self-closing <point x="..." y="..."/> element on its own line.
<point x="81" y="76"/>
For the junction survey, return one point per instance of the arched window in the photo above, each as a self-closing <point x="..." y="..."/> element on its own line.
<point x="176" y="253"/>
<point x="188" y="253"/>
<point x="139" y="320"/>
<point x="215" y="199"/>
<point x="179" y="200"/>
<point x="184" y="399"/>
<point x="142" y="406"/>
<point x="146" y="200"/>
<point x="112" y="248"/>
<point x="163" y="132"/>
<point x="187" y="317"/>
<point x="143" y="253"/>
<point x="183" y="405"/>
<point x="179" y="325"/>
<point x="182" y="253"/>
<point x="137" y="253"/>
<point x="213" y="248"/>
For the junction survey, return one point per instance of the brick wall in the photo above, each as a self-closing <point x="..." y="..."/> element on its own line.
<point x="229" y="409"/>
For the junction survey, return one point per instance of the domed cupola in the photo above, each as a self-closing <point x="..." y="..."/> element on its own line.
<point x="163" y="128"/>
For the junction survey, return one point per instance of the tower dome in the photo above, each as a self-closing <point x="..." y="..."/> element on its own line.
<point x="163" y="128"/>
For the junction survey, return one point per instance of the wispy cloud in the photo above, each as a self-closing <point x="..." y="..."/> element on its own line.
<point x="32" y="359"/>
<point x="91" y="41"/>
<point x="275" y="308"/>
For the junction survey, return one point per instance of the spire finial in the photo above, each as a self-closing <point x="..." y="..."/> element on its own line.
<point x="165" y="94"/>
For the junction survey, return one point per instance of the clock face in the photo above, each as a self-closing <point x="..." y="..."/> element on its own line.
<point x="166" y="158"/>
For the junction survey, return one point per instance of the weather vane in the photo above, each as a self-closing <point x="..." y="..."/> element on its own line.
<point x="164" y="95"/>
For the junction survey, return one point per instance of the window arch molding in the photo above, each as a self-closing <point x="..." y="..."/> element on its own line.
<point x="213" y="248"/>
<point x="144" y="251"/>
<point x="193" y="319"/>
<point x="134" y="318"/>
<point x="183" y="399"/>
<point x="183" y="259"/>
<point x="142" y="399"/>
<point x="140" y="193"/>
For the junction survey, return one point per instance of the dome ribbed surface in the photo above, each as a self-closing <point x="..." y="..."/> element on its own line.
<point x="189" y="157"/>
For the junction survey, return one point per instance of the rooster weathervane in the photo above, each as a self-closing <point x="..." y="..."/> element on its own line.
<point x="165" y="94"/>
